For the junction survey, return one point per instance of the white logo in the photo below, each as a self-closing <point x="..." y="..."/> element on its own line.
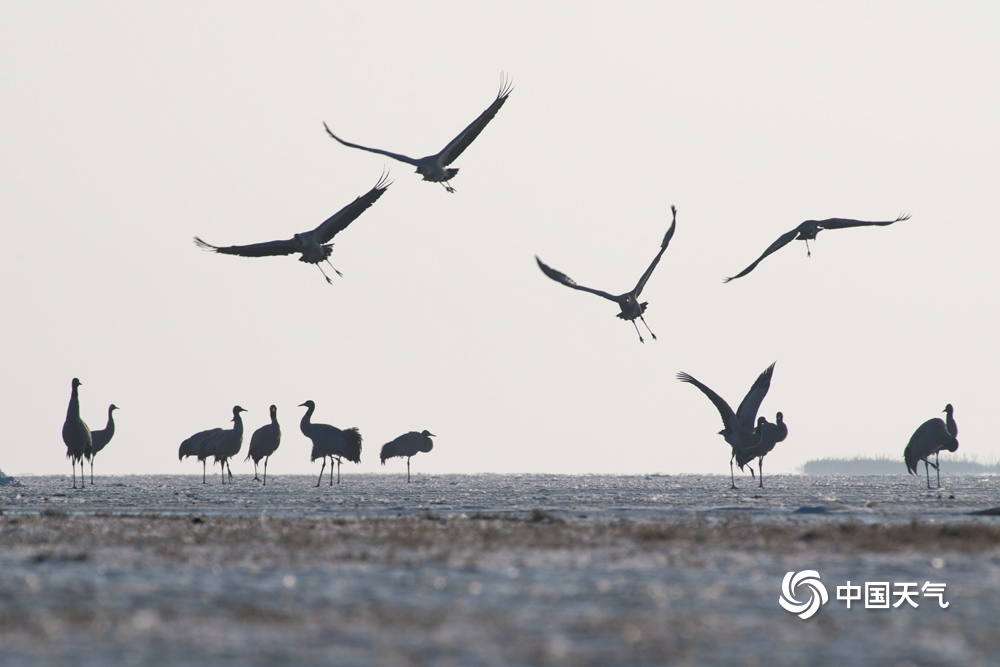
<point x="817" y="596"/>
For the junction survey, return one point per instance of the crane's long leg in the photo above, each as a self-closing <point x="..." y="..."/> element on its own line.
<point x="407" y="469"/>
<point x="324" y="274"/>
<point x="265" y="469"/>
<point x="321" y="472"/>
<point x="732" y="475"/>
<point x="230" y="471"/>
<point x="255" y="472"/>
<point x="447" y="186"/>
<point x="334" y="269"/>
<point x="73" y="463"/>
<point x="928" y="471"/>
<point x="647" y="327"/>
<point x="760" y="466"/>
<point x="204" y="471"/>
<point x="91" y="470"/>
<point x="937" y="468"/>
<point x="808" y="251"/>
<point x="331" y="471"/>
<point x="637" y="331"/>
<point x="338" y="470"/>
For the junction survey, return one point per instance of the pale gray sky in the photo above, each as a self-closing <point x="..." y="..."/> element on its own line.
<point x="131" y="127"/>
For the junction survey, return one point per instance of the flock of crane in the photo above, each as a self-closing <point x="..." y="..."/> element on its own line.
<point x="749" y="437"/>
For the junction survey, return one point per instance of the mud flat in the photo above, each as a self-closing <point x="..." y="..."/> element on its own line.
<point x="592" y="577"/>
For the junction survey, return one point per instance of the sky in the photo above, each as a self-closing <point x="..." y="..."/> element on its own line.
<point x="129" y="128"/>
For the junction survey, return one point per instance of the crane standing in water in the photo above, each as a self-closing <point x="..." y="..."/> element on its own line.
<point x="408" y="444"/>
<point x="76" y="434"/>
<point x="330" y="441"/>
<point x="101" y="438"/>
<point x="930" y="438"/>
<point x="263" y="443"/>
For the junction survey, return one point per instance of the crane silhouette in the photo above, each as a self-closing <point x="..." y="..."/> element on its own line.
<point x="76" y="434"/>
<point x="264" y="442"/>
<point x="629" y="301"/>
<point x="738" y="427"/>
<point x="99" y="439"/>
<point x="330" y="441"/>
<point x="408" y="444"/>
<point x="227" y="444"/>
<point x="807" y="231"/>
<point x="314" y="246"/>
<point x="768" y="435"/>
<point x="434" y="167"/>
<point x="200" y="445"/>
<point x="930" y="438"/>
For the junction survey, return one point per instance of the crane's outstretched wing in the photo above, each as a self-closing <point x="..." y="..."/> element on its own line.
<point x="726" y="412"/>
<point x="394" y="156"/>
<point x="569" y="282"/>
<point x="656" y="260"/>
<point x="345" y="216"/>
<point x="266" y="249"/>
<point x="457" y="145"/>
<point x="746" y="414"/>
<point x="782" y="241"/>
<point x="843" y="223"/>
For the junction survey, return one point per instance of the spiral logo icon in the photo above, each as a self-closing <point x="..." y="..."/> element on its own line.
<point x="817" y="593"/>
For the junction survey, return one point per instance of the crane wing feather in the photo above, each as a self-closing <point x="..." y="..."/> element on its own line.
<point x="341" y="219"/>
<point x="394" y="156"/>
<point x="569" y="282"/>
<point x="458" y="145"/>
<point x="656" y="260"/>
<point x="746" y="414"/>
<point x="843" y="223"/>
<point x="726" y="412"/>
<point x="782" y="241"/>
<point x="266" y="249"/>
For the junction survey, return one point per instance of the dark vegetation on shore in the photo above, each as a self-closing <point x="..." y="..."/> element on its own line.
<point x="887" y="465"/>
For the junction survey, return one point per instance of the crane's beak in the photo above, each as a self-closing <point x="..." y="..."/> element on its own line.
<point x="431" y="434"/>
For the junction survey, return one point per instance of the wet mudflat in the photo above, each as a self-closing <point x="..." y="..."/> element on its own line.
<point x="491" y="570"/>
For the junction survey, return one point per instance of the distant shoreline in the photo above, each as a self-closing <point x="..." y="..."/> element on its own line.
<point x="894" y="466"/>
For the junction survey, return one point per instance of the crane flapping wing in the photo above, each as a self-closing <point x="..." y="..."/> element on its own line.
<point x="782" y="241"/>
<point x="728" y="416"/>
<point x="843" y="223"/>
<point x="746" y="414"/>
<point x="338" y="221"/>
<point x="457" y="145"/>
<point x="394" y="156"/>
<point x="569" y="282"/>
<point x="663" y="246"/>
<point x="266" y="249"/>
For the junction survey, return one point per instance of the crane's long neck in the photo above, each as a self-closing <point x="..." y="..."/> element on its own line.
<point x="305" y="424"/>
<point x="111" y="422"/>
<point x="73" y="411"/>
<point x="952" y="426"/>
<point x="238" y="424"/>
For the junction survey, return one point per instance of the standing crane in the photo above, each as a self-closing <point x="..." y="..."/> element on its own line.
<point x="227" y="444"/>
<point x="101" y="438"/>
<point x="264" y="442"/>
<point x="408" y="444"/>
<point x="738" y="427"/>
<point x="330" y="441"/>
<point x="629" y="301"/>
<point x="434" y="167"/>
<point x="314" y="246"/>
<point x="930" y="438"/>
<point x="76" y="434"/>
<point x="768" y="435"/>
<point x="807" y="232"/>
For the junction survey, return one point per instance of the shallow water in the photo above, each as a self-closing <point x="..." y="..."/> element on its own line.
<point x="868" y="498"/>
<point x="491" y="570"/>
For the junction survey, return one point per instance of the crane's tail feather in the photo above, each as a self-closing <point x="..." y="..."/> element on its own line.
<point x="352" y="452"/>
